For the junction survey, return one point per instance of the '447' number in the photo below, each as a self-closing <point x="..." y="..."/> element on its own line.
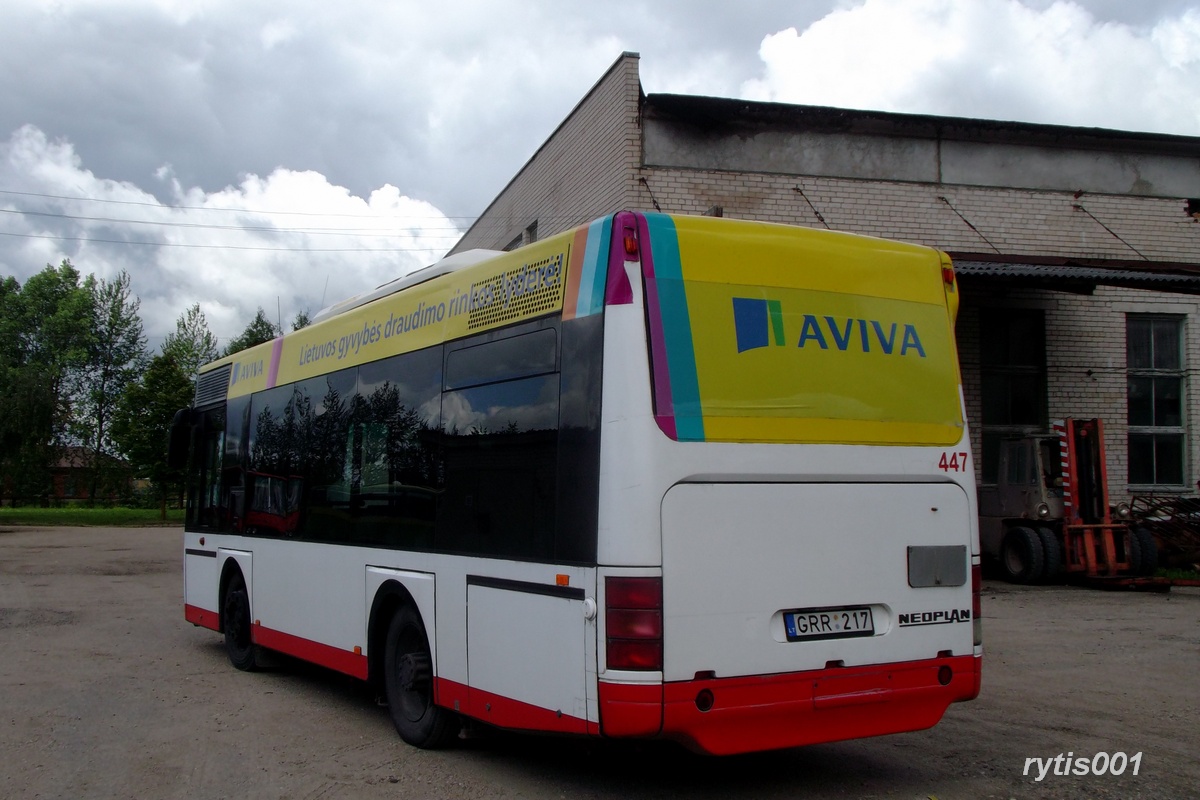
<point x="953" y="462"/>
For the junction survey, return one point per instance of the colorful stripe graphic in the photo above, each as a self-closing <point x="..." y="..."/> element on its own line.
<point x="677" y="388"/>
<point x="587" y="270"/>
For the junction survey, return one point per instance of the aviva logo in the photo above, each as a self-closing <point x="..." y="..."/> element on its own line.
<point x="759" y="323"/>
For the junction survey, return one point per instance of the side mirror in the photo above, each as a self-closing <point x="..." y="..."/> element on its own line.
<point x="179" y="439"/>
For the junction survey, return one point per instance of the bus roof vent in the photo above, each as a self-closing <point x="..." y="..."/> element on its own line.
<point x="211" y="387"/>
<point x="517" y="293"/>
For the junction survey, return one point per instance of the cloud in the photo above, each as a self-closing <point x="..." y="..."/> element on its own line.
<point x="288" y="241"/>
<point x="992" y="59"/>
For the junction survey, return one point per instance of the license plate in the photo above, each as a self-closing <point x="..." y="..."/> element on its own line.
<point x="828" y="623"/>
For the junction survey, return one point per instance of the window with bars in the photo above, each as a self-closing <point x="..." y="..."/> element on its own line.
<point x="1154" y="360"/>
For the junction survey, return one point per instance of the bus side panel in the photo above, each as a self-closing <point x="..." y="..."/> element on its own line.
<point x="200" y="583"/>
<point x="526" y="657"/>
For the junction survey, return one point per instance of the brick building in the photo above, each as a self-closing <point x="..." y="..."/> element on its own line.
<point x="1078" y="249"/>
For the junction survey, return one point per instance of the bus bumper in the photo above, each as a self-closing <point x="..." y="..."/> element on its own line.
<point x="769" y="712"/>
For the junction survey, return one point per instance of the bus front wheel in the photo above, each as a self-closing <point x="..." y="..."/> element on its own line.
<point x="235" y="618"/>
<point x="408" y="677"/>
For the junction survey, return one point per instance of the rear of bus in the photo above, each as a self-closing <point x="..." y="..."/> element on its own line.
<point x="787" y="545"/>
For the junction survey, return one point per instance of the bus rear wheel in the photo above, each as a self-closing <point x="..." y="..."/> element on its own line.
<point x="1021" y="556"/>
<point x="408" y="678"/>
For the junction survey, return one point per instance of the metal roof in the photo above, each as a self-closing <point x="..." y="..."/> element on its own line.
<point x="1080" y="278"/>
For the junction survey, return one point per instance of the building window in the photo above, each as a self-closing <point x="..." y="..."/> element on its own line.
<point x="1012" y="361"/>
<point x="1154" y="359"/>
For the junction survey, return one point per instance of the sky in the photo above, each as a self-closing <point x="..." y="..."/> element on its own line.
<point x="288" y="155"/>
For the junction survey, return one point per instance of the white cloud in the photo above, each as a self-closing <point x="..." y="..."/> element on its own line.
<point x="287" y="241"/>
<point x="993" y="59"/>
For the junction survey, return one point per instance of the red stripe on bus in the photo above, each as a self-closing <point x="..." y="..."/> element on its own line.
<point x="504" y="712"/>
<point x="351" y="663"/>
<point x="201" y="617"/>
<point x="769" y="712"/>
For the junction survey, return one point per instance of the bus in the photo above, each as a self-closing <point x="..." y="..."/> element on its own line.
<point x="663" y="477"/>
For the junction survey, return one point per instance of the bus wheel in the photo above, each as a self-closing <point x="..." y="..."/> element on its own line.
<point x="235" y="616"/>
<point x="1021" y="556"/>
<point x="408" y="676"/>
<point x="1052" y="552"/>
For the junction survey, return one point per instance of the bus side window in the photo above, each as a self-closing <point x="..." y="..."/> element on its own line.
<point x="397" y="471"/>
<point x="500" y="419"/>
<point x="205" y="483"/>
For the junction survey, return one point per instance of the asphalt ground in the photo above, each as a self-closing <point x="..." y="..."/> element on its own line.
<point x="106" y="692"/>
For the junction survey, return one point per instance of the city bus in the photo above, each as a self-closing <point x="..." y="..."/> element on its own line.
<point x="661" y="477"/>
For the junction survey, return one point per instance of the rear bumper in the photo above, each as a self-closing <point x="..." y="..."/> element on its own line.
<point x="768" y="712"/>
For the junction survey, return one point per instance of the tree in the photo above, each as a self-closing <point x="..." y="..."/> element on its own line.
<point x="116" y="355"/>
<point x="258" y="331"/>
<point x="142" y="421"/>
<point x="192" y="345"/>
<point x="302" y="320"/>
<point x="45" y="338"/>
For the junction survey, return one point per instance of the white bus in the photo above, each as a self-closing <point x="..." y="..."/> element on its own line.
<point x="663" y="477"/>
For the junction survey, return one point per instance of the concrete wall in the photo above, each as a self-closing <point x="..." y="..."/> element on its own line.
<point x="711" y="134"/>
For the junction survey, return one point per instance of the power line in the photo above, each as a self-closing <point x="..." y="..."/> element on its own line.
<point x="226" y="246"/>
<point x="247" y="228"/>
<point x="232" y="210"/>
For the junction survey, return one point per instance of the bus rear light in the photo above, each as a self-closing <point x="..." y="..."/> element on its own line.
<point x="635" y="655"/>
<point x="630" y="623"/>
<point x="633" y="592"/>
<point x="948" y="275"/>
<point x="633" y="623"/>
<point x="631" y="246"/>
<point x="976" y="605"/>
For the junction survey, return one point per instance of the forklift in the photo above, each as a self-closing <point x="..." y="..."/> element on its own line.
<point x="1048" y="514"/>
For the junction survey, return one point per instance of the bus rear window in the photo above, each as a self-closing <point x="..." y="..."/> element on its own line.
<point x="813" y="337"/>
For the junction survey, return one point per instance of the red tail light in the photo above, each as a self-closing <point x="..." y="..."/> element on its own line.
<point x="976" y="605"/>
<point x="633" y="623"/>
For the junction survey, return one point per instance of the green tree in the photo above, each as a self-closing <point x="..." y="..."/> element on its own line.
<point x="258" y="331"/>
<point x="142" y="421"/>
<point x="301" y="320"/>
<point x="192" y="345"/>
<point x="116" y="356"/>
<point x="45" y="339"/>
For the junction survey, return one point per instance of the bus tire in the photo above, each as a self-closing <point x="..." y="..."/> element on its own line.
<point x="1146" y="548"/>
<point x="1021" y="557"/>
<point x="235" y="618"/>
<point x="408" y="680"/>
<point x="1052" y="555"/>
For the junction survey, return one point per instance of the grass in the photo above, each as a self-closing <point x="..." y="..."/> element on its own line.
<point x="89" y="517"/>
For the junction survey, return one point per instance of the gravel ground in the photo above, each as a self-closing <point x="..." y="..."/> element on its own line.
<point x="105" y="691"/>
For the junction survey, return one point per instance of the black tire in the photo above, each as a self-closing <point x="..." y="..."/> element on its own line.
<point x="1052" y="555"/>
<point x="1145" y="547"/>
<point x="1021" y="557"/>
<point x="408" y="678"/>
<point x="235" y="618"/>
